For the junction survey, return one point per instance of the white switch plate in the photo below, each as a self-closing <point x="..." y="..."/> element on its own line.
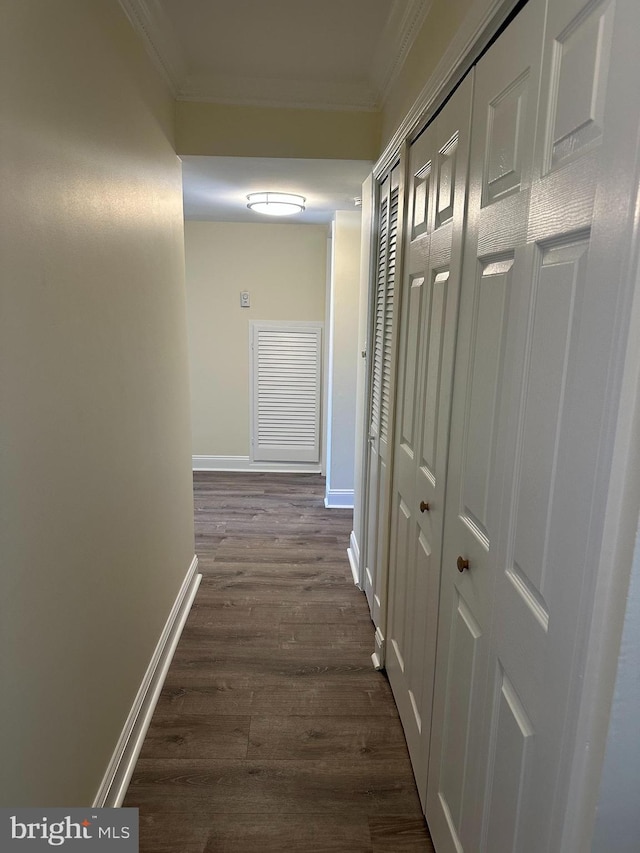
<point x="245" y="301"/>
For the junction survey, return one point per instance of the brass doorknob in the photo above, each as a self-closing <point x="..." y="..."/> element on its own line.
<point x="424" y="507"/>
<point x="462" y="564"/>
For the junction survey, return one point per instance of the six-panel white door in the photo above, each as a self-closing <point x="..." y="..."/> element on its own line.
<point x="438" y="173"/>
<point x="539" y="337"/>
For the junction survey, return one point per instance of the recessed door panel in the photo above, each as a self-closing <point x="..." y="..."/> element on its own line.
<point x="447" y="156"/>
<point x="483" y="395"/>
<point x="433" y="379"/>
<point x="465" y="634"/>
<point x="402" y="548"/>
<point x="508" y="765"/>
<point x="506" y="140"/>
<point x="421" y="195"/>
<point x="409" y="356"/>
<point x="554" y="319"/>
<point x="581" y="64"/>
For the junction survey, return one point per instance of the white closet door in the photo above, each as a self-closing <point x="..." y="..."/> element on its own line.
<point x="505" y="114"/>
<point x="286" y="360"/>
<point x="540" y="334"/>
<point x="382" y="387"/>
<point x="438" y="168"/>
<point x="561" y="393"/>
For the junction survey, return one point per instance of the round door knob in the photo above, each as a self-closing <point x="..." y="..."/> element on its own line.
<point x="462" y="564"/>
<point x="424" y="507"/>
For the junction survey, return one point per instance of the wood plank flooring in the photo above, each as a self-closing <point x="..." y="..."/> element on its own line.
<point x="273" y="732"/>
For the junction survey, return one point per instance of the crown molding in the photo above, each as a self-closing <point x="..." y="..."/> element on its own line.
<point x="482" y="22"/>
<point x="150" y="21"/>
<point x="403" y="25"/>
<point x="154" y="27"/>
<point x="293" y="94"/>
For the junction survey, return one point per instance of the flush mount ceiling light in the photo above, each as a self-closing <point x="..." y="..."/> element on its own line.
<point x="276" y="204"/>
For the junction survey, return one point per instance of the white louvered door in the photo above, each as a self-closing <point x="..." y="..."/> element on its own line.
<point x="383" y="344"/>
<point x="286" y="360"/>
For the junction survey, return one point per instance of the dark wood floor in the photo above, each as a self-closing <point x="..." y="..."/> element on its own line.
<point x="273" y="732"/>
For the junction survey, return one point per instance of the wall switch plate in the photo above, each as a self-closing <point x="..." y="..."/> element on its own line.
<point x="245" y="301"/>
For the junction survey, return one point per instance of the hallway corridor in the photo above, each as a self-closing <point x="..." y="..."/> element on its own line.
<point x="273" y="732"/>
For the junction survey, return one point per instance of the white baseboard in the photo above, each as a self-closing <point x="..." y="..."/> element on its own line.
<point x="244" y="463"/>
<point x="377" y="658"/>
<point x="339" y="499"/>
<point x="118" y="775"/>
<point x="353" y="552"/>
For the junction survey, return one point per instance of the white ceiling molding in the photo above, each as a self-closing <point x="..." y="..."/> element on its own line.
<point x="150" y="21"/>
<point x="481" y="24"/>
<point x="403" y="25"/>
<point x="264" y="92"/>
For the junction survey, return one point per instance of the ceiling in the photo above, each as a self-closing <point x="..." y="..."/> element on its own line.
<point x="313" y="54"/>
<point x="216" y="188"/>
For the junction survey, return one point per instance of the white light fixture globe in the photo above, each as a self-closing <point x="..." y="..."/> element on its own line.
<point x="276" y="204"/>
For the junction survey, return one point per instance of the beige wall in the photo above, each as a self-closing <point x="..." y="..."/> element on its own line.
<point x="95" y="496"/>
<point x="439" y="28"/>
<point x="283" y="268"/>
<point x="343" y="358"/>
<point x="232" y="130"/>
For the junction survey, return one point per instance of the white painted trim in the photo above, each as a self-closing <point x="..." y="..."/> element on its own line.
<point x="377" y="658"/>
<point x="150" y="21"/>
<point x="482" y="22"/>
<point x="118" y="774"/>
<point x="403" y="25"/>
<point x="339" y="499"/>
<point x="353" y="552"/>
<point x="243" y="463"/>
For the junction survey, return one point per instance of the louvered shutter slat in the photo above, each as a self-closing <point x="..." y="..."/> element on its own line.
<point x="387" y="331"/>
<point x="286" y="393"/>
<point x="376" y="381"/>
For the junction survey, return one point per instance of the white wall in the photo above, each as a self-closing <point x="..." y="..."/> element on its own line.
<point x="343" y="358"/>
<point x="284" y="269"/>
<point x="95" y="484"/>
